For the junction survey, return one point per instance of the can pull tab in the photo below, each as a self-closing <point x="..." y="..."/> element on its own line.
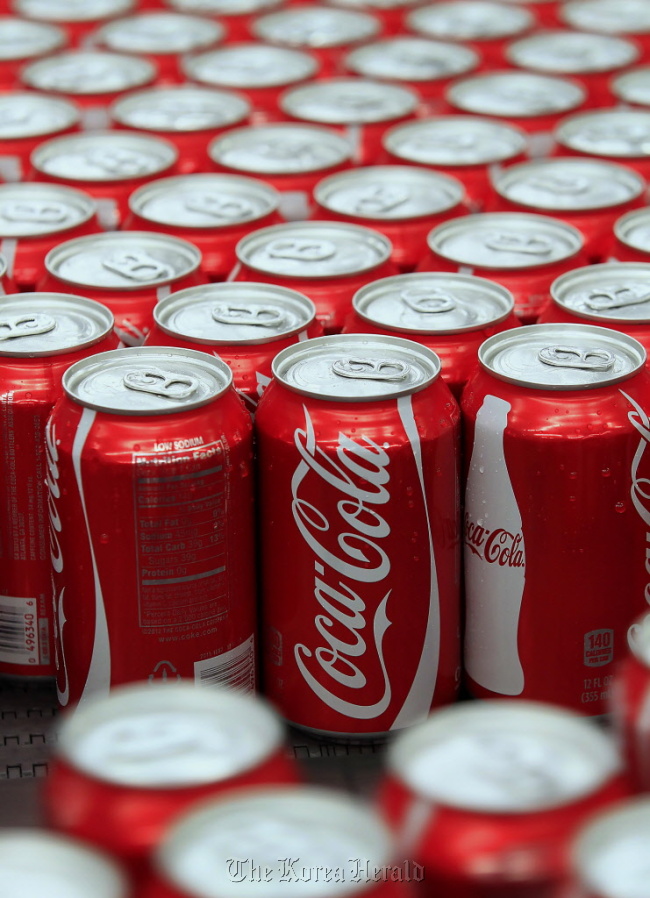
<point x="138" y="266"/>
<point x="255" y="316"/>
<point x="615" y="298"/>
<point x="161" y="383"/>
<point x="372" y="369"/>
<point x="25" y="326"/>
<point x="428" y="302"/>
<point x="301" y="249"/>
<point x="119" y="163"/>
<point x="377" y="199"/>
<point x="560" y="185"/>
<point x="516" y="243"/>
<point x="232" y="209"/>
<point x="35" y="213"/>
<point x="573" y="357"/>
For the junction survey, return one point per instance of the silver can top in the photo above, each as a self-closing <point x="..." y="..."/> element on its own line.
<point x="315" y="27"/>
<point x="72" y="10"/>
<point x="455" y="140"/>
<point x="633" y="86"/>
<point x="613" y="291"/>
<point x="88" y="72"/>
<point x="34" y="325"/>
<point x="223" y="7"/>
<point x="562" y="356"/>
<point x="160" y="33"/>
<point x="31" y="209"/>
<point x="411" y="59"/>
<point x="183" y="108"/>
<point x="242" y="313"/>
<point x="470" y="20"/>
<point x="32" y="115"/>
<point x="242" y="66"/>
<point x="147" y="380"/>
<point x="378" y="6"/>
<point x="356" y="367"/>
<point x="21" y="39"/>
<point x="349" y="101"/>
<point x="500" y="756"/>
<point x="314" y="249"/>
<point x="633" y="229"/>
<point x="622" y="133"/>
<point x="638" y="638"/>
<point x="104" y="156"/>
<point x="433" y="303"/>
<point x="513" y="93"/>
<point x="609" y="16"/>
<point x="572" y="52"/>
<point x="123" y="260"/>
<point x="202" y="201"/>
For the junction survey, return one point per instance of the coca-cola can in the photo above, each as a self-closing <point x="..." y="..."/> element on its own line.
<point x="630" y="19"/>
<point x="147" y="751"/>
<point x="632" y="88"/>
<point x="211" y="211"/>
<point x="554" y="438"/>
<point x="41" y="335"/>
<point x="151" y="511"/>
<point x="486" y="796"/>
<point x="78" y="18"/>
<point x="327" y="261"/>
<point x="26" y="119"/>
<point x="452" y="314"/>
<point x="235" y="15"/>
<point x="631" y="237"/>
<point x="22" y="42"/>
<point x="630" y="704"/>
<point x="357" y="465"/>
<point x="618" y="135"/>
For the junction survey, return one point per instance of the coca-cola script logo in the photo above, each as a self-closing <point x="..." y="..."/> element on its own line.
<point x="56" y="555"/>
<point x="640" y="484"/>
<point x="497" y="546"/>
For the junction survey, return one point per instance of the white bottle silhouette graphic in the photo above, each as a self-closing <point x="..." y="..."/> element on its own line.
<point x="494" y="581"/>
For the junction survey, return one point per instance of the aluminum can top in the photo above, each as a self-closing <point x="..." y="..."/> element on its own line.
<point x="633" y="229"/>
<point x="572" y="52"/>
<point x="280" y="149"/>
<point x="244" y="313"/>
<point x="160" y="33"/>
<point x="349" y="101"/>
<point x="72" y="10"/>
<point x="202" y="201"/>
<point x="433" y="303"/>
<point x="33" y="209"/>
<point x="314" y="249"/>
<point x="411" y="59"/>
<point x="470" y="20"/>
<point x="389" y="192"/>
<point x="123" y="260"/>
<point x="141" y="381"/>
<point x="562" y="356"/>
<point x="163" y="736"/>
<point x="513" y="93"/>
<point x="315" y="27"/>
<point x="22" y="39"/>
<point x="609" y="16"/>
<point x="32" y="115"/>
<point x="608" y="132"/>
<point x="223" y="7"/>
<point x="455" y="140"/>
<point x="639" y="640"/>
<point x="499" y="756"/>
<point x="613" y="291"/>
<point x="37" y="862"/>
<point x="633" y="86"/>
<point x="184" y="108"/>
<point x="104" y="156"/>
<point x="375" y="5"/>
<point x="356" y="367"/>
<point x="250" y="66"/>
<point x="568" y="184"/>
<point x="88" y="72"/>
<point x="505" y="240"/>
<point x="33" y="325"/>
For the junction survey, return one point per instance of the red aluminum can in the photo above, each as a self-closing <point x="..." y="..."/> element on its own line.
<point x="631" y="237"/>
<point x="618" y="135"/>
<point x="211" y="211"/>
<point x="486" y="796"/>
<point x="235" y="15"/>
<point x="452" y="314"/>
<point x="26" y="119"/>
<point x="245" y="325"/>
<point x="127" y="271"/>
<point x="78" y="18"/>
<point x="560" y="398"/>
<point x="630" y="19"/>
<point x="327" y="261"/>
<point x="630" y="699"/>
<point x="151" y="504"/>
<point x="357" y="466"/>
<point x="146" y="752"/>
<point x="520" y="251"/>
<point x="41" y="335"/>
<point x="632" y="88"/>
<point x="22" y="42"/>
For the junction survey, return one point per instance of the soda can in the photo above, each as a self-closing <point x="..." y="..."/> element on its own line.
<point x="632" y="88"/>
<point x="630" y="702"/>
<point x="235" y="15"/>
<point x="22" y="42"/>
<point x="589" y="194"/>
<point x="552" y="422"/>
<point x="486" y="796"/>
<point x="151" y="512"/>
<point x="245" y="325"/>
<point x="630" y="19"/>
<point x="631" y="237"/>
<point x="327" y="261"/>
<point x="6" y="284"/>
<point x="361" y="109"/>
<point x="521" y="251"/>
<point x="78" y="18"/>
<point x="358" y="483"/>
<point x="147" y="751"/>
<point x="400" y="201"/>
<point x="211" y="211"/>
<point x="187" y="116"/>
<point x="452" y="314"/>
<point x="27" y="119"/>
<point x="33" y="219"/>
<point x="618" y="135"/>
<point x="41" y="335"/>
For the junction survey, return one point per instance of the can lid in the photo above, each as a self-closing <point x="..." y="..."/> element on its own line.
<point x="223" y="7"/>
<point x="160" y="33"/>
<point x="633" y="86"/>
<point x="251" y="65"/>
<point x="37" y="862"/>
<point x="203" y="201"/>
<point x="501" y="756"/>
<point x="624" y="133"/>
<point x="31" y="209"/>
<point x="572" y="52"/>
<point x="568" y="184"/>
<point x="183" y="108"/>
<point x="28" y="114"/>
<point x="513" y="93"/>
<point x="104" y="156"/>
<point x="562" y="356"/>
<point x="349" y="101"/>
<point x="633" y="229"/>
<point x="147" y="380"/>
<point x="610" y="16"/>
<point x="505" y="240"/>
<point x="470" y="20"/>
<point x="638" y="638"/>
<point x="150" y="736"/>
<point x="411" y="59"/>
<point x="242" y="313"/>
<point x="613" y="291"/>
<point x="314" y="249"/>
<point x="324" y="829"/>
<point x="123" y="260"/>
<point x="356" y="367"/>
<point x="88" y="72"/>
<point x="72" y="10"/>
<point x="280" y="149"/>
<point x="21" y="39"/>
<point x="375" y="5"/>
<point x="455" y="140"/>
<point x="433" y="303"/>
<point x="315" y="26"/>
<point x="33" y="325"/>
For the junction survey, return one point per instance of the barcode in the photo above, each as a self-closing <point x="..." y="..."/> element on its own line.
<point x="234" y="669"/>
<point x="18" y="630"/>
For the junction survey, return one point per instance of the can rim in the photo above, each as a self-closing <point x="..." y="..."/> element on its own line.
<point x="565" y="131"/>
<point x="96" y="311"/>
<point x="104" y="34"/>
<point x="57" y="37"/>
<point x="455" y="94"/>
<point x="73" y="113"/>
<point x="368" y="26"/>
<point x="410" y="100"/>
<point x="620" y="83"/>
<point x="514" y="50"/>
<point x="191" y="66"/>
<point x="626" y="223"/>
<point x="84" y="202"/>
<point x="237" y="107"/>
<point x="354" y="59"/>
<point x="563" y="285"/>
<point x="143" y="71"/>
<point x="522" y="18"/>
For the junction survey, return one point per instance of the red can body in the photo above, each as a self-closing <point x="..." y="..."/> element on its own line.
<point x="630" y="705"/>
